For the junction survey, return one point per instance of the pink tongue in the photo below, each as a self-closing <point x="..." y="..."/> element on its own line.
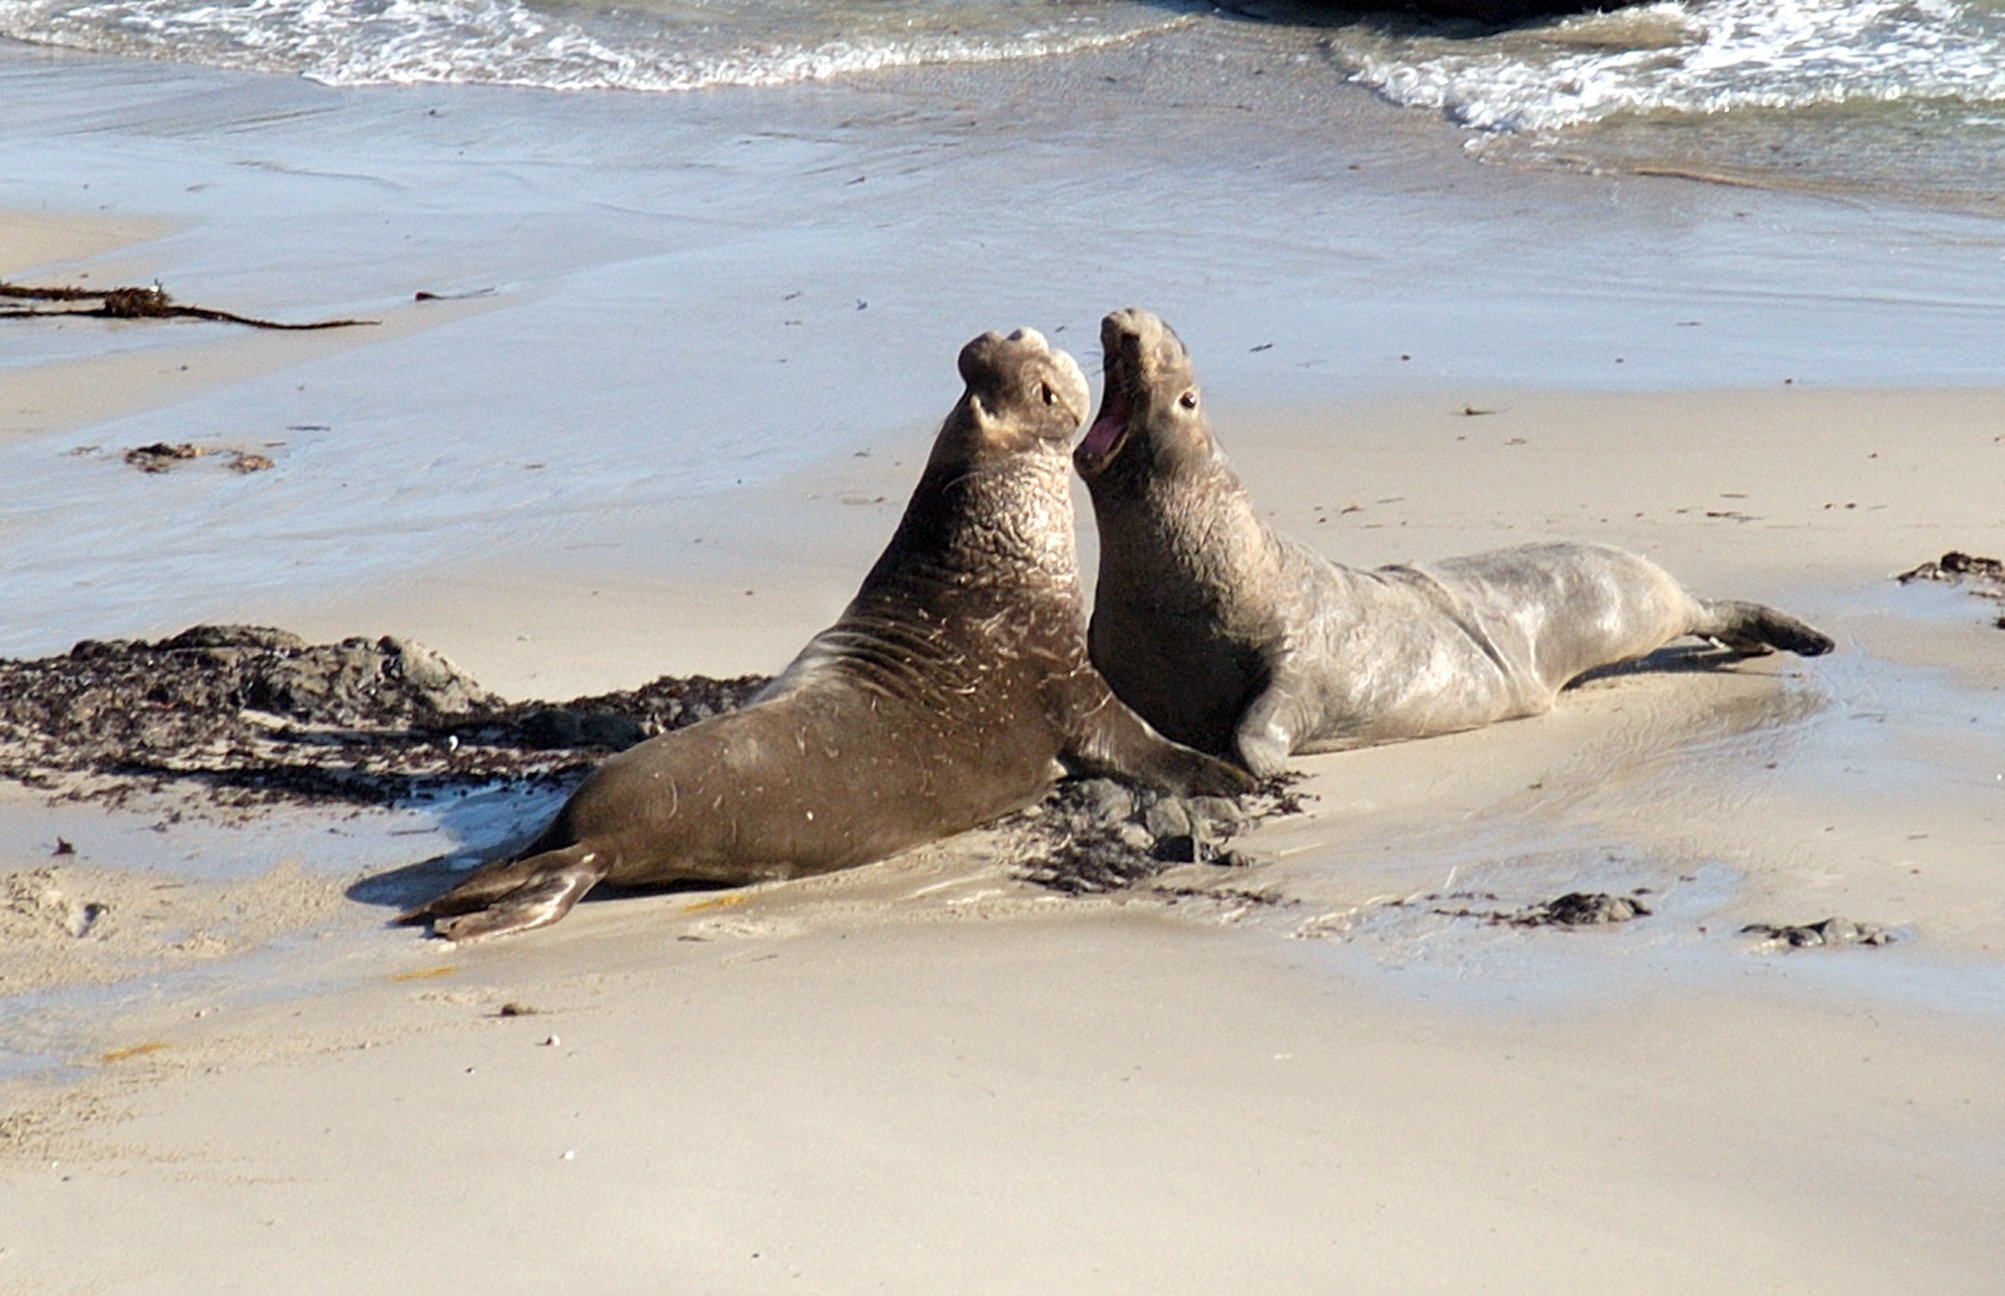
<point x="1101" y="436"/>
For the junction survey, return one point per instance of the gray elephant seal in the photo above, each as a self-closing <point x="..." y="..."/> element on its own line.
<point x="1249" y="645"/>
<point x="954" y="688"/>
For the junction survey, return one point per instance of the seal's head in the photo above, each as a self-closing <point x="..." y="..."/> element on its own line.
<point x="1151" y="418"/>
<point x="1022" y="393"/>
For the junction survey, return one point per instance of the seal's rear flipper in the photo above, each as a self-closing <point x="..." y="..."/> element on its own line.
<point x="1755" y="628"/>
<point x="514" y="895"/>
<point x="477" y="890"/>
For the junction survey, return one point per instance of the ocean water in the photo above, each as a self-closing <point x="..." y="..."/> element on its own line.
<point x="646" y="45"/>
<point x="1892" y="96"/>
<point x="1900" y="97"/>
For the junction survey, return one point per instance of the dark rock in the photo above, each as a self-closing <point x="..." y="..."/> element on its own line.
<point x="1831" y="931"/>
<point x="1574" y="909"/>
<point x="1952" y="567"/>
<point x="1583" y="909"/>
<point x="160" y="456"/>
<point x="1073" y="847"/>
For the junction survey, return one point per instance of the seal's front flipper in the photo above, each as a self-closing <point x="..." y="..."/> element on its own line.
<point x="1266" y="734"/>
<point x="1755" y="628"/>
<point x="516" y="895"/>
<point x="1112" y="740"/>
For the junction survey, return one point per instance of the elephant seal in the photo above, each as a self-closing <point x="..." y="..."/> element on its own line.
<point x="1244" y="643"/>
<point x="954" y="688"/>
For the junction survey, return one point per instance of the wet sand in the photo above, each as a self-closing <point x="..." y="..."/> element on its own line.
<point x="1329" y="1065"/>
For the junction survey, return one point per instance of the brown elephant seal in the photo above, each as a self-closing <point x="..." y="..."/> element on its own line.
<point x="1247" y="644"/>
<point x="954" y="688"/>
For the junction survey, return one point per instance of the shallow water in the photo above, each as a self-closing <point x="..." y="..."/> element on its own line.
<point x="693" y="296"/>
<point x="1895" y="98"/>
<point x="645" y="45"/>
<point x="1902" y="98"/>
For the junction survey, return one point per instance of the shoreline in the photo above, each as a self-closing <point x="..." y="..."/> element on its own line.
<point x="1382" y="266"/>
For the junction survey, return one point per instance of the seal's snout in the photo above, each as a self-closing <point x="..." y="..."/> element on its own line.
<point x="1139" y="342"/>
<point x="986" y="360"/>
<point x="1121" y="339"/>
<point x="1136" y="348"/>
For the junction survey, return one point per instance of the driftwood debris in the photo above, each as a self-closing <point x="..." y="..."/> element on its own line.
<point x="136" y="303"/>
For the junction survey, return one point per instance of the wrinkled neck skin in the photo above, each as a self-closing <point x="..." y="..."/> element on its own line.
<point x="1183" y="542"/>
<point x="984" y="522"/>
<point x="984" y="554"/>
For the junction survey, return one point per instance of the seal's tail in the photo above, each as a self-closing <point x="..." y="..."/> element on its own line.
<point x="513" y="895"/>
<point x="1755" y="628"/>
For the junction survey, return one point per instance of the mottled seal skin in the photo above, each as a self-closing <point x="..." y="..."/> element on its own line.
<point x="1244" y="643"/>
<point x="954" y="688"/>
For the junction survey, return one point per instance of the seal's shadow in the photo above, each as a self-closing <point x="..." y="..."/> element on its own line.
<point x="409" y="885"/>
<point x="1672" y="659"/>
<point x="412" y="884"/>
<point x="491" y="821"/>
<point x="399" y="889"/>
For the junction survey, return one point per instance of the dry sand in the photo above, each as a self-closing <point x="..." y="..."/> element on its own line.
<point x="1328" y="1070"/>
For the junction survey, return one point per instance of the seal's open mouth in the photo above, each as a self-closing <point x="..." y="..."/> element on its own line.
<point x="1109" y="431"/>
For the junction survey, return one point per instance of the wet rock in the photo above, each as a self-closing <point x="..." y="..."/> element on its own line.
<point x="1953" y="567"/>
<point x="1583" y="909"/>
<point x="1224" y="813"/>
<point x="1167" y="817"/>
<point x="1134" y="837"/>
<point x="1104" y="798"/>
<point x="1982" y="577"/>
<point x="161" y="455"/>
<point x="1574" y="909"/>
<point x="1832" y="931"/>
<point x="1074" y="846"/>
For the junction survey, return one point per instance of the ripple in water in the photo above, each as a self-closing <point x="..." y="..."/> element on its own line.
<point x="1901" y="96"/>
<point x="654" y="45"/>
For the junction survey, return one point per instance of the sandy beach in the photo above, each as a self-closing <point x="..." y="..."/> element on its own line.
<point x="688" y="354"/>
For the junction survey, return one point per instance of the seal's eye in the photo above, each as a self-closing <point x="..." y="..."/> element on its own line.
<point x="1050" y="396"/>
<point x="1189" y="399"/>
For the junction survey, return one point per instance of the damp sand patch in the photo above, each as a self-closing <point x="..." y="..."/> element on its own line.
<point x="69" y="925"/>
